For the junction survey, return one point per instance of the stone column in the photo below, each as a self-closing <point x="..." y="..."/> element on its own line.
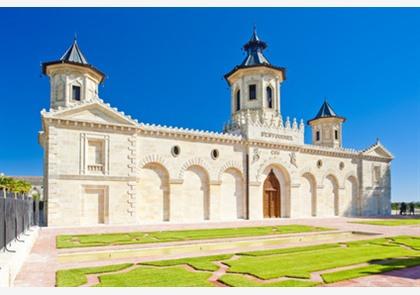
<point x="176" y="202"/>
<point x="319" y="198"/>
<point x="292" y="204"/>
<point x="342" y="202"/>
<point x="255" y="201"/>
<point x="215" y="200"/>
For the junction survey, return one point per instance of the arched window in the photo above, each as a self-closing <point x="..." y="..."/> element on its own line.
<point x="238" y="100"/>
<point x="269" y="93"/>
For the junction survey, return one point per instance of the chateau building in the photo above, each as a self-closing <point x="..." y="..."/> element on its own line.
<point x="103" y="167"/>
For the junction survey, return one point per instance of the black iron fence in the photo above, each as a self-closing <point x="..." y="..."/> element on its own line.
<point x="17" y="214"/>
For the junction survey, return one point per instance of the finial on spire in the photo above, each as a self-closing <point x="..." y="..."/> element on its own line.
<point x="254" y="48"/>
<point x="75" y="37"/>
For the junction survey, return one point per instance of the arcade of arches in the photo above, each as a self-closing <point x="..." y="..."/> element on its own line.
<point x="195" y="200"/>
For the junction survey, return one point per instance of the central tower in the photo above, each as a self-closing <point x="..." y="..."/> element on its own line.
<point x="255" y="83"/>
<point x="255" y="97"/>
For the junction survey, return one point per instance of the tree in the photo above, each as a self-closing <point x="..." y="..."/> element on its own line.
<point x="15" y="185"/>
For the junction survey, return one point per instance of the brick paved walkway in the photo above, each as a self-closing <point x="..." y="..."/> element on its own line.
<point x="41" y="265"/>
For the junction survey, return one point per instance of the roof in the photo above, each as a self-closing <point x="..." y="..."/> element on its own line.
<point x="255" y="56"/>
<point x="378" y="149"/>
<point x="73" y="56"/>
<point x="326" y="111"/>
<point x="254" y="48"/>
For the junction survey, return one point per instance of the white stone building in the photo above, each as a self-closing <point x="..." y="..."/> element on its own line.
<point x="103" y="167"/>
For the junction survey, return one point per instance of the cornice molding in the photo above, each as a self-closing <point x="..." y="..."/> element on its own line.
<point x="209" y="136"/>
<point x="93" y="177"/>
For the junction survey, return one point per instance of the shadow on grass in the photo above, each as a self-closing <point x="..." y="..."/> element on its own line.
<point x="397" y="267"/>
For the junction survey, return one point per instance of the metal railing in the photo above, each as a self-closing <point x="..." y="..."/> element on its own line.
<point x="18" y="213"/>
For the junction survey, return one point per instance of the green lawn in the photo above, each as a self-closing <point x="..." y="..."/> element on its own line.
<point x="301" y="264"/>
<point x="74" y="241"/>
<point x="144" y="276"/>
<point x="199" y="263"/>
<point x="383" y="254"/>
<point x="390" y="222"/>
<point x="77" y="277"/>
<point x="234" y="280"/>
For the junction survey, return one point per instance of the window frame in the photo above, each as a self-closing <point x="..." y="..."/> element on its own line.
<point x="79" y="92"/>
<point x="269" y="96"/>
<point x="84" y="161"/>
<point x="254" y="91"/>
<point x="238" y="100"/>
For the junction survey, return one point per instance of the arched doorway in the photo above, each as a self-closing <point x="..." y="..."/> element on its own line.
<point x="271" y="196"/>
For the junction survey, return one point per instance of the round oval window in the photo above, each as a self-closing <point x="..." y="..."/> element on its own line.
<point x="175" y="151"/>
<point x="319" y="164"/>
<point x="215" y="154"/>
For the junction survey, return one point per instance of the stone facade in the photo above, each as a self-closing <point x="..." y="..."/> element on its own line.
<point x="103" y="167"/>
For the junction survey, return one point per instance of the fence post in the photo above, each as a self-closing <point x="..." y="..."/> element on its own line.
<point x="3" y="217"/>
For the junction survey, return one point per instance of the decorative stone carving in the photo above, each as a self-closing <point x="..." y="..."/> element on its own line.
<point x="293" y="159"/>
<point x="256" y="155"/>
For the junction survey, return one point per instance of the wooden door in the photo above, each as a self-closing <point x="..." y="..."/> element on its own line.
<point x="271" y="196"/>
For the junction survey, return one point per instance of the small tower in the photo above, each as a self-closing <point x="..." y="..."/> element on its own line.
<point x="73" y="80"/>
<point x="327" y="127"/>
<point x="255" y="83"/>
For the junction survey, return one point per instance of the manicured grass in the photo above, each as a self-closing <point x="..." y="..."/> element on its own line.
<point x="234" y="280"/>
<point x="301" y="264"/>
<point x="144" y="276"/>
<point x="199" y="263"/>
<point x="390" y="222"/>
<point x="383" y="254"/>
<point x="74" y="241"/>
<point x="413" y="242"/>
<point x="375" y="268"/>
<point x="77" y="277"/>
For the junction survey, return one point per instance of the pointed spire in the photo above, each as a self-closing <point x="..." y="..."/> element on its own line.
<point x="255" y="57"/>
<point x="74" y="54"/>
<point x="326" y="111"/>
<point x="254" y="37"/>
<point x="254" y="48"/>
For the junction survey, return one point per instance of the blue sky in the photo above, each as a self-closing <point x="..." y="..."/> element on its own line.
<point x="166" y="66"/>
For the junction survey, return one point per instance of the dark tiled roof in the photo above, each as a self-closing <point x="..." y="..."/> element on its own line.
<point x="326" y="111"/>
<point x="254" y="49"/>
<point x="255" y="57"/>
<point x="74" y="56"/>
